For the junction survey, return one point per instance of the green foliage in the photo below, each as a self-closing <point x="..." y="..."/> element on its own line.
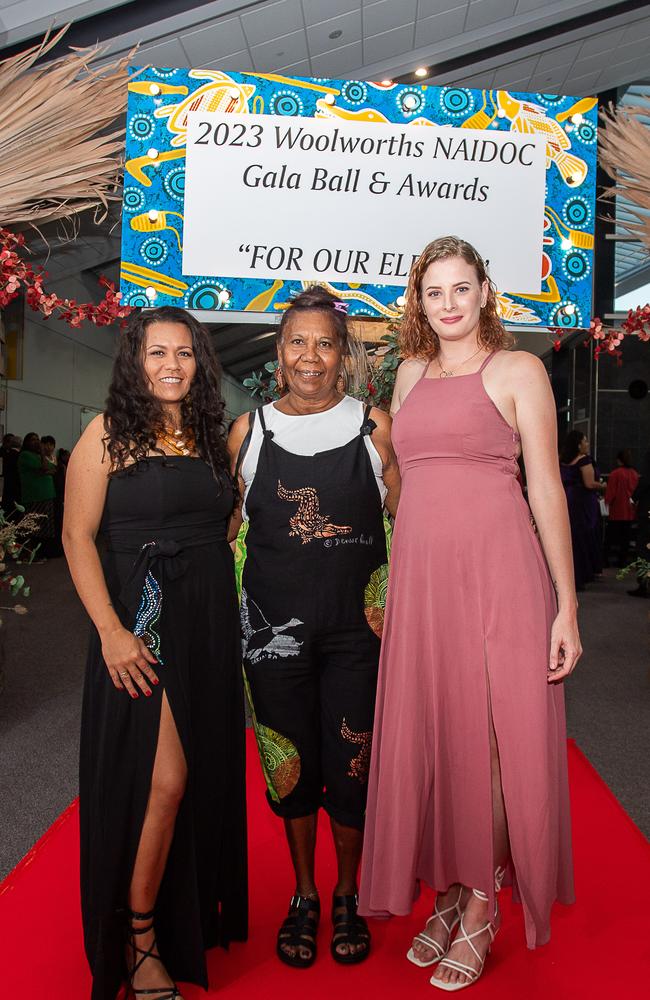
<point x="640" y="566"/>
<point x="16" y="548"/>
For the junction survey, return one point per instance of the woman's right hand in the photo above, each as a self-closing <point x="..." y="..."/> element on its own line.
<point x="128" y="660"/>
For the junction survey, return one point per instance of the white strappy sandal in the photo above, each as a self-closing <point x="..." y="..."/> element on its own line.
<point x="429" y="942"/>
<point x="469" y="971"/>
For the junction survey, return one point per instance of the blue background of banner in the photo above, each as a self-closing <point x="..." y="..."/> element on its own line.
<point x="158" y="103"/>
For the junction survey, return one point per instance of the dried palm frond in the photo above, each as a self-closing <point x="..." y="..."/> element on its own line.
<point x="61" y="140"/>
<point x="625" y="156"/>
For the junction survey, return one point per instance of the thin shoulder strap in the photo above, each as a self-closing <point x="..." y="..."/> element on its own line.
<point x="245" y="444"/>
<point x="367" y="425"/>
<point x="486" y="362"/>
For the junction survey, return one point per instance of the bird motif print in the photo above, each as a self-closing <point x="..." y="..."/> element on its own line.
<point x="260" y="639"/>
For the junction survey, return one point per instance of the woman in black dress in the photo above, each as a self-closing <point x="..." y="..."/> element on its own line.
<point x="162" y="795"/>
<point x="582" y="487"/>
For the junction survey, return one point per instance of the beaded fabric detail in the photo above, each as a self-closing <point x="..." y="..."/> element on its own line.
<point x="359" y="765"/>
<point x="149" y="614"/>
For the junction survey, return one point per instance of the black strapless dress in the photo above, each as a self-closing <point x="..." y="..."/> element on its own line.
<point x="170" y="573"/>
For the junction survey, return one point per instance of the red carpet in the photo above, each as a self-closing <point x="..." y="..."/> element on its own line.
<point x="600" y="946"/>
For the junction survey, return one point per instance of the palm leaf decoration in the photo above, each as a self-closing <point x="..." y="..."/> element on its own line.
<point x="377" y="589"/>
<point x="278" y="756"/>
<point x="61" y="140"/>
<point x="624" y="145"/>
<point x="240" y="556"/>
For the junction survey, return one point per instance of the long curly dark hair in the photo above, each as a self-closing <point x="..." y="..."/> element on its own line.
<point x="134" y="417"/>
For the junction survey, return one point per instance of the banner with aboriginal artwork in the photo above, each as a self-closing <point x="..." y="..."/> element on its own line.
<point x="171" y="108"/>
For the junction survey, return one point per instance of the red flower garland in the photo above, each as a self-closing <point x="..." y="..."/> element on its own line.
<point x="16" y="273"/>
<point x="609" y="339"/>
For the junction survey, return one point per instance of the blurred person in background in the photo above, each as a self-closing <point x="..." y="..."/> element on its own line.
<point x="641" y="497"/>
<point x="10" y="479"/>
<point x="48" y="444"/>
<point x="37" y="492"/>
<point x="582" y="488"/>
<point x="622" y="482"/>
<point x="62" y="459"/>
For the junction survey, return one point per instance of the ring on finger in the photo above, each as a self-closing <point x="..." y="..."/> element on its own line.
<point x="124" y="673"/>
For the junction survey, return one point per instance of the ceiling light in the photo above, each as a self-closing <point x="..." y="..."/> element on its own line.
<point x="566" y="244"/>
<point x="154" y="89"/>
<point x="329" y="98"/>
<point x="421" y="71"/>
<point x="152" y="215"/>
<point x="577" y="119"/>
<point x="152" y="153"/>
<point x="400" y="301"/>
<point x="151" y="293"/>
<point x="335" y="34"/>
<point x="410" y="101"/>
<point x="224" y="296"/>
<point x="570" y="309"/>
<point x="387" y="83"/>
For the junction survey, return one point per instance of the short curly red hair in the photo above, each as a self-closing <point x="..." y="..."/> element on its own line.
<point x="416" y="338"/>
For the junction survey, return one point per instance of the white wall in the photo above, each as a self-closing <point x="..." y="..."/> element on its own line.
<point x="66" y="373"/>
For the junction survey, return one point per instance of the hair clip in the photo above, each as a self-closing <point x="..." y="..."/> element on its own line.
<point x="341" y="307"/>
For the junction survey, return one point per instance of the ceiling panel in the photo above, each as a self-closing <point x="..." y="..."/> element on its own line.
<point x="166" y="53"/>
<point x="238" y="62"/>
<point x="380" y="47"/>
<point x="563" y="55"/>
<point x="438" y="27"/>
<point x="220" y="38"/>
<point x="316" y="10"/>
<point x="269" y="20"/>
<point x="387" y="14"/>
<point x="428" y="7"/>
<point x="340" y="62"/>
<point x="318" y="35"/>
<point x="484" y="12"/>
<point x="280" y="51"/>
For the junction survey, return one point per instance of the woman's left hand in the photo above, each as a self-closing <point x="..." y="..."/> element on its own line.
<point x="566" y="648"/>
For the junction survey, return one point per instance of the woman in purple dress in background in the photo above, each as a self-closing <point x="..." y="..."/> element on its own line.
<point x="468" y="780"/>
<point x="582" y="486"/>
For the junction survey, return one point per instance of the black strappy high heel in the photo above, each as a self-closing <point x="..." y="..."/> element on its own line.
<point x="165" y="992"/>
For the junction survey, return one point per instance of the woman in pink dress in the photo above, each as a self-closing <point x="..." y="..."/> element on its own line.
<point x="468" y="780"/>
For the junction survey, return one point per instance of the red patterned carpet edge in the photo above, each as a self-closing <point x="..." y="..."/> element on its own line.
<point x="599" y="947"/>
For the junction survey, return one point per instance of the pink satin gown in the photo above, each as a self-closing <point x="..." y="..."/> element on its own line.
<point x="468" y="621"/>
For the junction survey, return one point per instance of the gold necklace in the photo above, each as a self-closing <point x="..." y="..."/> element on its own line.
<point x="447" y="373"/>
<point x="178" y="442"/>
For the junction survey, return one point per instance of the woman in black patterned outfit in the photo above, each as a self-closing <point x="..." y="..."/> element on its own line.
<point x="162" y="745"/>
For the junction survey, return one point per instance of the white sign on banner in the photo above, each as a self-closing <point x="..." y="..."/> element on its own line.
<point x="270" y="196"/>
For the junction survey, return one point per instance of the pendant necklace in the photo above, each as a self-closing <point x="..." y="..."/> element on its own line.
<point x="447" y="373"/>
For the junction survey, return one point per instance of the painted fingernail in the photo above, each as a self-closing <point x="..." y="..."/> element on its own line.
<point x="148" y="694"/>
<point x="133" y="694"/>
<point x="155" y="681"/>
